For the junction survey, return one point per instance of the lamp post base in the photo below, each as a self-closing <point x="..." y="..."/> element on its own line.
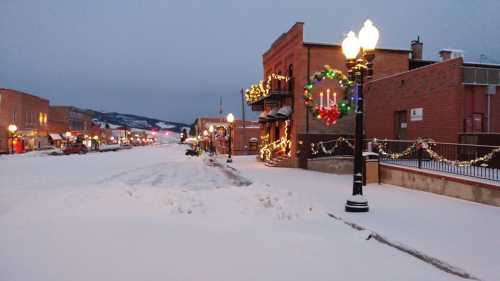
<point x="357" y="204"/>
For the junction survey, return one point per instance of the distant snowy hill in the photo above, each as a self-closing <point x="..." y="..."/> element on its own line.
<point x="115" y="119"/>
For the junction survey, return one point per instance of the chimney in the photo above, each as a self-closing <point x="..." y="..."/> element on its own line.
<point x="447" y="54"/>
<point x="417" y="49"/>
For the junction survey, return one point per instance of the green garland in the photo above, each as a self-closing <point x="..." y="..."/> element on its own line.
<point x="344" y="105"/>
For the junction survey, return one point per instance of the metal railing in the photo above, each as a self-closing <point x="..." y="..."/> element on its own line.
<point x="477" y="161"/>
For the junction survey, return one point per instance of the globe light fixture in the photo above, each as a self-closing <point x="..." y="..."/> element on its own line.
<point x="12" y="128"/>
<point x="205" y="133"/>
<point x="359" y="69"/>
<point x="230" y="118"/>
<point x="211" y="129"/>
<point x="67" y="134"/>
<point x="368" y="36"/>
<point x="351" y="46"/>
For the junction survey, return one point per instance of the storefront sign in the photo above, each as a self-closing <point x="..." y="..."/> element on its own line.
<point x="417" y="114"/>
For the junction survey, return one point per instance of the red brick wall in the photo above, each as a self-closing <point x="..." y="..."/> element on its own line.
<point x="58" y="119"/>
<point x="28" y="109"/>
<point x="436" y="88"/>
<point x="290" y="48"/>
<point x="476" y="103"/>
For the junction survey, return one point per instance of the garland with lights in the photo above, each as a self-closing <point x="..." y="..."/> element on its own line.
<point x="427" y="145"/>
<point x="333" y="110"/>
<point x="263" y="88"/>
<point x="420" y="144"/>
<point x="321" y="145"/>
<point x="281" y="145"/>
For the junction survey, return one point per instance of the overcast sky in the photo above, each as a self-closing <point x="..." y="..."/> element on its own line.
<point x="173" y="59"/>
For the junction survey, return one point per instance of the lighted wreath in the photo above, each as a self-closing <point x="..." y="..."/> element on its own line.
<point x="333" y="109"/>
<point x="258" y="91"/>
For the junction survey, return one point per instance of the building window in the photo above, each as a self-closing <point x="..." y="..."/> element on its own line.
<point x="14" y="116"/>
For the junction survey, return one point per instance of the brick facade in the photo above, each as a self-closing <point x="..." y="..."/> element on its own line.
<point x="290" y="55"/>
<point x="449" y="107"/>
<point x="72" y="119"/>
<point x="29" y="113"/>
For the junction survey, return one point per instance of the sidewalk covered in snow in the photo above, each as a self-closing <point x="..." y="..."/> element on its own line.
<point x="151" y="213"/>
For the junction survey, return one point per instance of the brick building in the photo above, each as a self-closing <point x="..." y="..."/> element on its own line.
<point x="437" y="100"/>
<point x="29" y="113"/>
<point x="70" y="119"/>
<point x="290" y="56"/>
<point x="243" y="134"/>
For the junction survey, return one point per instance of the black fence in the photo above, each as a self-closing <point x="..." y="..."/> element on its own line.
<point x="477" y="161"/>
<point x="469" y="160"/>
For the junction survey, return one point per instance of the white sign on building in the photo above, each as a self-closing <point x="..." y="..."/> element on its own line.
<point x="417" y="114"/>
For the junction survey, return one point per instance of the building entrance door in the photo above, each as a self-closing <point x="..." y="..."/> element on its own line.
<point x="400" y="125"/>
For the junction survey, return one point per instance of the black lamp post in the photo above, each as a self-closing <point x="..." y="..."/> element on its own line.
<point x="359" y="69"/>
<point x="230" y="120"/>
<point x="211" y="130"/>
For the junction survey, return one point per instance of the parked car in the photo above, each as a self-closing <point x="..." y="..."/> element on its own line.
<point x="52" y="150"/>
<point x="75" y="148"/>
<point x="126" y="146"/>
<point x="109" y="147"/>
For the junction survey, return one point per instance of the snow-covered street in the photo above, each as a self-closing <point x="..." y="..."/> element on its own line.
<point x="151" y="213"/>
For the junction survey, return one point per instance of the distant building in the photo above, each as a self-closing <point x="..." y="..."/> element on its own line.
<point x="30" y="114"/>
<point x="244" y="134"/>
<point x="439" y="100"/>
<point x="64" y="119"/>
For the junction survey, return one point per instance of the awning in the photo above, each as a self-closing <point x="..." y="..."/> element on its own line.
<point x="285" y="111"/>
<point x="55" y="137"/>
<point x="273" y="114"/>
<point x="263" y="116"/>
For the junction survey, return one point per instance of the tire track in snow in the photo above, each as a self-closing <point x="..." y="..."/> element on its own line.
<point x="441" y="265"/>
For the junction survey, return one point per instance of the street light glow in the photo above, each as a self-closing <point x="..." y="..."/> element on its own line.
<point x="205" y="133"/>
<point x="211" y="129"/>
<point x="12" y="128"/>
<point x="230" y="118"/>
<point x="351" y="46"/>
<point x="368" y="36"/>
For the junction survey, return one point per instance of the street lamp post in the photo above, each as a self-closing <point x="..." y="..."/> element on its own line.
<point x="230" y="119"/>
<point x="205" y="137"/>
<point x="12" y="130"/>
<point x="359" y="69"/>
<point x="211" y="129"/>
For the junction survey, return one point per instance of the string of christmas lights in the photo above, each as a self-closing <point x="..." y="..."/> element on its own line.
<point x="420" y="144"/>
<point x="321" y="145"/>
<point x="282" y="145"/>
<point x="263" y="89"/>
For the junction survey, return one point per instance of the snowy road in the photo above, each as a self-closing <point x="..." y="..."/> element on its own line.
<point x="153" y="214"/>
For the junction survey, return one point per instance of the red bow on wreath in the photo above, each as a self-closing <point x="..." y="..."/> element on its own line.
<point x="329" y="115"/>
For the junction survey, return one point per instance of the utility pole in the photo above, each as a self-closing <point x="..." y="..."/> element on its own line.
<point x="244" y="135"/>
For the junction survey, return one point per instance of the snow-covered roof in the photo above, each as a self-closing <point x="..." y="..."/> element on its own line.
<point x="273" y="113"/>
<point x="285" y="111"/>
<point x="216" y="125"/>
